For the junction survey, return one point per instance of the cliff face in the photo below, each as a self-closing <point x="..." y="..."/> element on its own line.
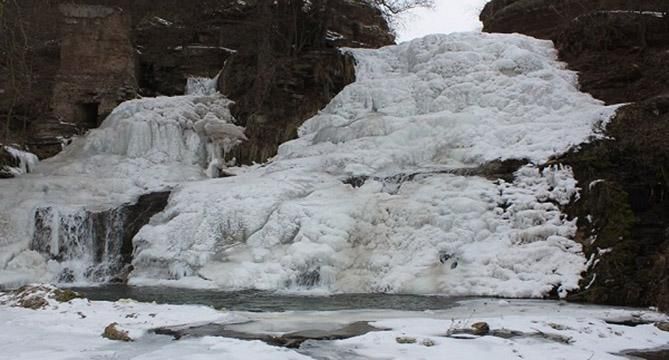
<point x="87" y="56"/>
<point x="620" y="49"/>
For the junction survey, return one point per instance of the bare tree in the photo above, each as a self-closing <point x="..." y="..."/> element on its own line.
<point x="395" y="7"/>
<point x="15" y="59"/>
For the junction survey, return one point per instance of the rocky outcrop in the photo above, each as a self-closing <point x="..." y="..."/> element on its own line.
<point x="296" y="89"/>
<point x="89" y="55"/>
<point x="623" y="213"/>
<point x="620" y="50"/>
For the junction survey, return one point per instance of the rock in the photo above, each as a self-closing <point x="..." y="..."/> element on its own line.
<point x="112" y="332"/>
<point x="405" y="340"/>
<point x="629" y="210"/>
<point x="37" y="297"/>
<point x="427" y="342"/>
<point x="33" y="302"/>
<point x="65" y="295"/>
<point x="662" y="325"/>
<point x="480" y="328"/>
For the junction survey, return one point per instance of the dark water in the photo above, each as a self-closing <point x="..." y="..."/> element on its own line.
<point x="253" y="300"/>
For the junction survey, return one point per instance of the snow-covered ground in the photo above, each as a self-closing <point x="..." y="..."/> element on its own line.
<point x="550" y="330"/>
<point x="418" y="113"/>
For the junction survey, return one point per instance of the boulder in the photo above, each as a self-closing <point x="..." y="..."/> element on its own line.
<point x="113" y="332"/>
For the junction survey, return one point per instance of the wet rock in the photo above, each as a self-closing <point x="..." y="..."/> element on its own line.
<point x="405" y="340"/>
<point x="480" y="328"/>
<point x="113" y="332"/>
<point x="663" y="325"/>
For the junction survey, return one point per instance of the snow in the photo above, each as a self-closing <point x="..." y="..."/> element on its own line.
<point x="656" y="14"/>
<point x="417" y="114"/>
<point x="73" y="331"/>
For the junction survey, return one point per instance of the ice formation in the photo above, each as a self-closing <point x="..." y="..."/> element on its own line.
<point x="417" y="114"/>
<point x="26" y="161"/>
<point x="68" y="207"/>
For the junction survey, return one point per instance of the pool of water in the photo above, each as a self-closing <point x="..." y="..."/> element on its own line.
<point x="253" y="300"/>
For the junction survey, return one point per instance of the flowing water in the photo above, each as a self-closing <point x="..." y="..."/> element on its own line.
<point x="254" y="300"/>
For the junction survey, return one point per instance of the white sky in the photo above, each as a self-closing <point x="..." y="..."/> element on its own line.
<point x="449" y="16"/>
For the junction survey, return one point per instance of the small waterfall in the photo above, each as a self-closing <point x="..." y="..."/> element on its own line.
<point x="87" y="245"/>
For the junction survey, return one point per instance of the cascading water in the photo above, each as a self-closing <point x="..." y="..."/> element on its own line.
<point x="86" y="245"/>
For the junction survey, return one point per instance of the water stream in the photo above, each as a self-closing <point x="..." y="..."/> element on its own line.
<point x="268" y="301"/>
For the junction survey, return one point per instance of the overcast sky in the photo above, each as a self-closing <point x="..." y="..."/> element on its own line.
<point x="449" y="16"/>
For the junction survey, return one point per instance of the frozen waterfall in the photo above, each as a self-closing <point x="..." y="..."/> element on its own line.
<point x="415" y="126"/>
<point x="72" y="219"/>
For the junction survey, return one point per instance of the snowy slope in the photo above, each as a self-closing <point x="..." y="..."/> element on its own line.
<point x="425" y="107"/>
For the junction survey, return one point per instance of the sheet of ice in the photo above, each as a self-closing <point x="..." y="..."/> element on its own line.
<point x="145" y="145"/>
<point x="73" y="331"/>
<point x="416" y="111"/>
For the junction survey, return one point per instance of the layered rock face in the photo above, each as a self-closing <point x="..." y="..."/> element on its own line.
<point x="87" y="56"/>
<point x="620" y="49"/>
